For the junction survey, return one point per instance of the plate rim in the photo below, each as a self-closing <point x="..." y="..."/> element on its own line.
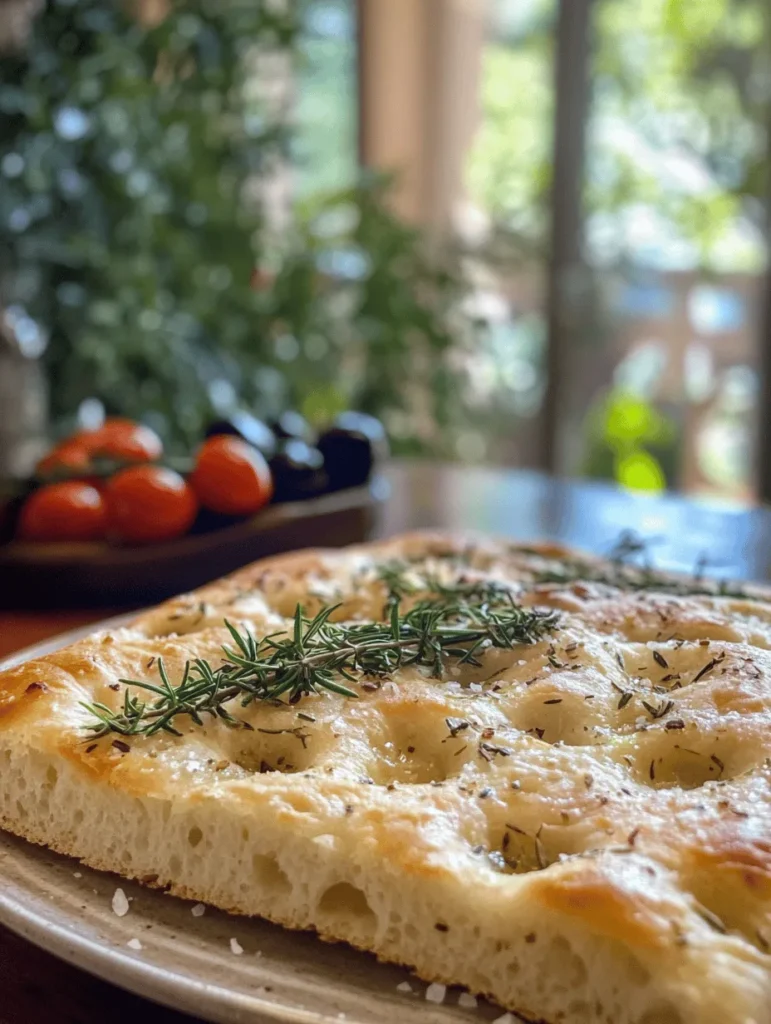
<point x="112" y="965"/>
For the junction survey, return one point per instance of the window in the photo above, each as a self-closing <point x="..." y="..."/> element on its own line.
<point x="326" y="148"/>
<point x="624" y="311"/>
<point x="677" y="157"/>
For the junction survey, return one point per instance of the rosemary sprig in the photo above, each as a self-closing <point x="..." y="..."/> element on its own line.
<point x="624" y="573"/>
<point x="396" y="578"/>
<point x="629" y="567"/>
<point x="318" y="655"/>
<point x="637" y="578"/>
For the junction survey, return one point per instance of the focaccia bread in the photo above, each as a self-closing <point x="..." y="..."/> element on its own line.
<point x="578" y="827"/>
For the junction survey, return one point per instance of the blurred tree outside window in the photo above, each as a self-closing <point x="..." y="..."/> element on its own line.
<point x="663" y="378"/>
<point x="325" y="149"/>
<point x="678" y="172"/>
<point x="508" y="175"/>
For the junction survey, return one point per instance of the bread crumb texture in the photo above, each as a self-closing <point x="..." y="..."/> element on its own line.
<point x="579" y="829"/>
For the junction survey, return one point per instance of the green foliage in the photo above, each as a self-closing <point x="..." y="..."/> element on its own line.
<point x="509" y="169"/>
<point x="124" y="231"/>
<point x="361" y="317"/>
<point x="678" y="123"/>
<point x="132" y="162"/>
<point x="686" y="76"/>
<point x="677" y="171"/>
<point x="631" y="441"/>
<point x="325" y="144"/>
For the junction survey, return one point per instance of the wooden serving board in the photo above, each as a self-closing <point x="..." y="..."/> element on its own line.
<point x="105" y="576"/>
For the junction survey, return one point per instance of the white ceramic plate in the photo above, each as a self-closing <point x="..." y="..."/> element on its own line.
<point x="188" y="962"/>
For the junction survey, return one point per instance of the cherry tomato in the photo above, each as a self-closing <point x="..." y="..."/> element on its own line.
<point x="122" y="439"/>
<point x="70" y="510"/>
<point x="119" y="439"/>
<point x="70" y="456"/>
<point x="146" y="504"/>
<point x="231" y="477"/>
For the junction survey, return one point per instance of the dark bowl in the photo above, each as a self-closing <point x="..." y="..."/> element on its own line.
<point x="100" y="575"/>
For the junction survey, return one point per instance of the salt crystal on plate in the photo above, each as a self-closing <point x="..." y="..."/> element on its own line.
<point x="76" y="874"/>
<point x="435" y="993"/>
<point x="134" y="944"/>
<point x="198" y="910"/>
<point x="404" y="986"/>
<point x="120" y="905"/>
<point x="235" y="947"/>
<point x="467" y="1001"/>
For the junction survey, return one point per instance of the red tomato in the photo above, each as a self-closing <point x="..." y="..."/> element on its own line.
<point x="231" y="477"/>
<point x="122" y="439"/>
<point x="119" y="439"/>
<point x="70" y="510"/>
<point x="147" y="504"/>
<point x="70" y="455"/>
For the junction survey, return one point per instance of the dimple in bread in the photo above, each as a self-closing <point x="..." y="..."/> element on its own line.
<point x="578" y="828"/>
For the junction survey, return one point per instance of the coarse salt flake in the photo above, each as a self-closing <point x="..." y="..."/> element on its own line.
<point x="404" y="986"/>
<point x="198" y="910"/>
<point x="120" y="905"/>
<point x="134" y="944"/>
<point x="435" y="993"/>
<point x="235" y="947"/>
<point x="467" y="1001"/>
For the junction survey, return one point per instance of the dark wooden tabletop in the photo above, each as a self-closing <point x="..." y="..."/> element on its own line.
<point x="37" y="989"/>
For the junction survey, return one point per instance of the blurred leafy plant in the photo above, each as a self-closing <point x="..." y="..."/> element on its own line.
<point x="628" y="439"/>
<point x="125" y="230"/>
<point x="386" y="332"/>
<point x="132" y="160"/>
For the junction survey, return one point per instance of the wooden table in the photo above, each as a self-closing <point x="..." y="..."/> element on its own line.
<point x="37" y="989"/>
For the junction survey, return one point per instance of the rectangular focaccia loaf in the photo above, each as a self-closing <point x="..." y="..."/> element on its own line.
<point x="578" y="827"/>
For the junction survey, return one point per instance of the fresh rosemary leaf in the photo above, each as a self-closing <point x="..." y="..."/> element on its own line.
<point x="622" y="572"/>
<point x="316" y="655"/>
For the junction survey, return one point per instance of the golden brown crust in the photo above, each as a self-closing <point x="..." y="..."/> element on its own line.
<point x="593" y="845"/>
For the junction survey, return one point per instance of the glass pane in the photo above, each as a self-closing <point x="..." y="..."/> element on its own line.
<point x="325" y="147"/>
<point x="677" y="173"/>
<point x="506" y="222"/>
